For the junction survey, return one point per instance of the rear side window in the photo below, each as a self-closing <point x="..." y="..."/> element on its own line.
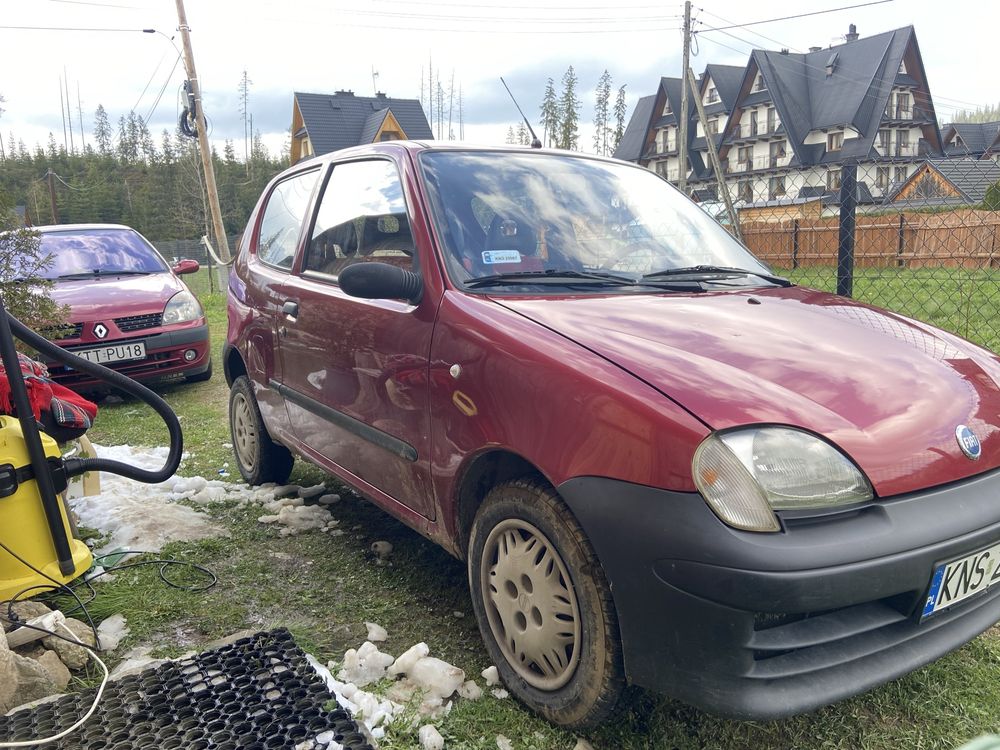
<point x="283" y="215"/>
<point x="361" y="217"/>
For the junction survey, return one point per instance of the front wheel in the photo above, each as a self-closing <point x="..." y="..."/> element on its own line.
<point x="259" y="458"/>
<point x="544" y="606"/>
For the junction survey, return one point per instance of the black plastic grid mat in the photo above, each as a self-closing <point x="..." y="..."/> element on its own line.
<point x="258" y="693"/>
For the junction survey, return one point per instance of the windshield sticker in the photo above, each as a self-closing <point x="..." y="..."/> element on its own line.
<point x="501" y="256"/>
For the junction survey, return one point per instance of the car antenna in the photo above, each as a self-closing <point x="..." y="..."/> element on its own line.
<point x="535" y="143"/>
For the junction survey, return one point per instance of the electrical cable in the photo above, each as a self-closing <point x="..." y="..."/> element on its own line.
<point x="86" y="716"/>
<point x="798" y="15"/>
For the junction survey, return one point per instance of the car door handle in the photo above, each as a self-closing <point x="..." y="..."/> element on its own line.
<point x="290" y="309"/>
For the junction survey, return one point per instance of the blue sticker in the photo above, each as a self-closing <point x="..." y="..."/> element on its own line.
<point x="932" y="595"/>
<point x="501" y="256"/>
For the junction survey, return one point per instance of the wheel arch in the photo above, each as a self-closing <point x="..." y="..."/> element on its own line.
<point x="232" y="363"/>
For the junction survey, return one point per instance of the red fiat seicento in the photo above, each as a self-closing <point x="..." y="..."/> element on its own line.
<point x="663" y="464"/>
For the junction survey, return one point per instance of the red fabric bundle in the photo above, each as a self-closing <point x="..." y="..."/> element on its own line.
<point x="63" y="413"/>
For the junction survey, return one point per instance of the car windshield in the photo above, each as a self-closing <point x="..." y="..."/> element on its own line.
<point x="98" y="252"/>
<point x="531" y="216"/>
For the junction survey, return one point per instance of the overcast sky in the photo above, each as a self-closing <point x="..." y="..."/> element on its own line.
<point x="325" y="45"/>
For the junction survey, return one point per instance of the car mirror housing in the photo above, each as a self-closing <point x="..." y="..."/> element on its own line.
<point x="187" y="265"/>
<point x="373" y="280"/>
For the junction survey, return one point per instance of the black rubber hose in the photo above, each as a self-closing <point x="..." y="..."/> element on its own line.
<point x="77" y="466"/>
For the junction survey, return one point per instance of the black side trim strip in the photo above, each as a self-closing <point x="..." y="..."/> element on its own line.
<point x="382" y="439"/>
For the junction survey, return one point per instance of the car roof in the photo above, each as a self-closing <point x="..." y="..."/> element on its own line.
<point x="79" y="227"/>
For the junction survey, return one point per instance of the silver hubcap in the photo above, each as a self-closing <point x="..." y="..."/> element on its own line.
<point x="531" y="605"/>
<point x="245" y="439"/>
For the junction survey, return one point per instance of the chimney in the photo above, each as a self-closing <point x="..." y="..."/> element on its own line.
<point x="815" y="49"/>
<point x="380" y="95"/>
<point x="852" y="33"/>
<point x="343" y="92"/>
<point x="784" y="50"/>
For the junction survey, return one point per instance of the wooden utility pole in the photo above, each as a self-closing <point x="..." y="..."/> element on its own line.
<point x="221" y="243"/>
<point x="52" y="196"/>
<point x="682" y="145"/>
<point x="713" y="154"/>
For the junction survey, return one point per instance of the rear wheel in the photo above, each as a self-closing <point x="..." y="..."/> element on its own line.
<point x="259" y="458"/>
<point x="544" y="605"/>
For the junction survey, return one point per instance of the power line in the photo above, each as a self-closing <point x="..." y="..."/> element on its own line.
<point x="69" y="28"/>
<point x="163" y="88"/>
<point x="799" y="15"/>
<point x="479" y="19"/>
<point x="495" y="6"/>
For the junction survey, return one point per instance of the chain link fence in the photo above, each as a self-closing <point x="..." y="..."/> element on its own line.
<point x="211" y="277"/>
<point x="919" y="239"/>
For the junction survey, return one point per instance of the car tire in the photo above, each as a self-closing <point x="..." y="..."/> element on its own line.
<point x="544" y="606"/>
<point x="201" y="377"/>
<point x="259" y="458"/>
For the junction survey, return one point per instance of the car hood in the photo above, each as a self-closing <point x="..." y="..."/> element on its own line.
<point x="888" y="390"/>
<point x="116" y="296"/>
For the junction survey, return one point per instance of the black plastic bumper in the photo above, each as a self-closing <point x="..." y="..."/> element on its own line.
<point x="763" y="626"/>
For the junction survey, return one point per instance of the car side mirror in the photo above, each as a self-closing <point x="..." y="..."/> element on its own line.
<point x="187" y="265"/>
<point x="373" y="280"/>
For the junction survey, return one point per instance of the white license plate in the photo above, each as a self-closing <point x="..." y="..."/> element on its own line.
<point x="114" y="352"/>
<point x="957" y="580"/>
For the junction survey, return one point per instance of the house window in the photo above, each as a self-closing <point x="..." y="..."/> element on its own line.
<point x="834" y="141"/>
<point x="666" y="108"/>
<point x="903" y="143"/>
<point x="899" y="175"/>
<point x="758" y="84"/>
<point x="772" y="120"/>
<point x="776" y="187"/>
<point x="833" y="179"/>
<point x="389" y="135"/>
<point x="777" y="151"/>
<point x="903" y="111"/>
<point x="713" y="126"/>
<point x="744" y="155"/>
<point x="882" y="177"/>
<point x="713" y="95"/>
<point x="753" y="123"/>
<point x="883" y="141"/>
<point x="744" y="191"/>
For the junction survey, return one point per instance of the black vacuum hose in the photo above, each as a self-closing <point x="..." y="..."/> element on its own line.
<point x="77" y="466"/>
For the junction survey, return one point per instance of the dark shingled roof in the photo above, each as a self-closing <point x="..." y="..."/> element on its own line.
<point x="727" y="79"/>
<point x="632" y="144"/>
<point x="971" y="177"/>
<point x="341" y="120"/>
<point x="977" y="137"/>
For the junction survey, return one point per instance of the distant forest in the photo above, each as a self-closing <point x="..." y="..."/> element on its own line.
<point x="128" y="178"/>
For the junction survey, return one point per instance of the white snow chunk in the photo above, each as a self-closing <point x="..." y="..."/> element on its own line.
<point x="408" y="658"/>
<point x="364" y="665"/>
<point x="436" y="677"/>
<point x="376" y="633"/>
<point x="456" y="614"/>
<point x="504" y="743"/>
<point x="582" y="744"/>
<point x="382" y="549"/>
<point x="286" y="490"/>
<point x="306" y="745"/>
<point x="500" y="693"/>
<point x="491" y="676"/>
<point x="328" y="499"/>
<point x="308" y="493"/>
<point x="430" y="738"/>
<point x="470" y="690"/>
<point x="111" y="632"/>
<point x="297" y="519"/>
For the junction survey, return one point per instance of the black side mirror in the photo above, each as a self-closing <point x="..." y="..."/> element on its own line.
<point x="372" y="280"/>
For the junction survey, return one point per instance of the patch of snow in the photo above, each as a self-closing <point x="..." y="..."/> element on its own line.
<point x="491" y="676"/>
<point x="430" y="738"/>
<point x="111" y="632"/>
<point x="470" y="691"/>
<point x="582" y="744"/>
<point x="376" y="633"/>
<point x="382" y="550"/>
<point x="503" y="743"/>
<point x="500" y="693"/>
<point x="364" y="665"/>
<point x="408" y="658"/>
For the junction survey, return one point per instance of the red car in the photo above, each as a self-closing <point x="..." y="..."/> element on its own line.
<point x="663" y="464"/>
<point x="127" y="308"/>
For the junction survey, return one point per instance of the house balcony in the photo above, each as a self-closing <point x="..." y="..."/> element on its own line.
<point x="906" y="116"/>
<point x="746" y="133"/>
<point x="658" y="149"/>
<point x="761" y="163"/>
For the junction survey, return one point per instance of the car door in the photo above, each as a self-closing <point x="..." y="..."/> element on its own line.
<point x="354" y="370"/>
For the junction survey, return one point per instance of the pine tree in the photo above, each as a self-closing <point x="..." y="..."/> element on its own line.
<point x="102" y="131"/>
<point x="620" y="111"/>
<point x="602" y="114"/>
<point x="511" y="135"/>
<point x="550" y="114"/>
<point x="569" y="110"/>
<point x="523" y="138"/>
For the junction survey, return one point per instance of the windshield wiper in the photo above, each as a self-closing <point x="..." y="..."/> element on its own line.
<point x="567" y="277"/>
<point x="708" y="273"/>
<point x="97" y="272"/>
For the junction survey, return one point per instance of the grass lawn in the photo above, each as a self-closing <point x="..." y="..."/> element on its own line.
<point x="324" y="589"/>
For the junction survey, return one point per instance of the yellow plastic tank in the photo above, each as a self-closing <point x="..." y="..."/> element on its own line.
<point x="23" y="527"/>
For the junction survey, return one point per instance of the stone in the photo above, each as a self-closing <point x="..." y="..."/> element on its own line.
<point x="8" y="676"/>
<point x="33" y="681"/>
<point x="73" y="656"/>
<point x="56" y="669"/>
<point x="26" y="610"/>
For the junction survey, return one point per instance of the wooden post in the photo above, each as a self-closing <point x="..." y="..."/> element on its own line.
<point x="901" y="242"/>
<point x="203" y="146"/>
<point x="795" y="243"/>
<point x="682" y="118"/>
<point x="52" y="196"/>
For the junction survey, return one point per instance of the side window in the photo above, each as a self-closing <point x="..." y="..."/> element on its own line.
<point x="362" y="217"/>
<point x="283" y="215"/>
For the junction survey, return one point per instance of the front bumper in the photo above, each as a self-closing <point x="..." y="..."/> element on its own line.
<point x="164" y="357"/>
<point x="763" y="626"/>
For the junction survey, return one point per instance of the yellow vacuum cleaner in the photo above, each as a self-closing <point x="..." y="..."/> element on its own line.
<point x="38" y="550"/>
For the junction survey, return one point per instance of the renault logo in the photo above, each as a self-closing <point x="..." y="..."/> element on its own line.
<point x="968" y="442"/>
<point x="100" y="330"/>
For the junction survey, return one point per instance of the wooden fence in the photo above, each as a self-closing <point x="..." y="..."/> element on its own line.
<point x="956" y="239"/>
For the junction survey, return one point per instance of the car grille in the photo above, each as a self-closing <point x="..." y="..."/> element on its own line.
<point x="139" y="322"/>
<point x="67" y="331"/>
<point x="794" y="645"/>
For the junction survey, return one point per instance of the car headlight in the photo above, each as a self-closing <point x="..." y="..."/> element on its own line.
<point x="745" y="475"/>
<point x="181" y="308"/>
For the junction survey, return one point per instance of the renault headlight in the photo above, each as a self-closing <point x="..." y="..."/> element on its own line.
<point x="181" y="308"/>
<point x="745" y="475"/>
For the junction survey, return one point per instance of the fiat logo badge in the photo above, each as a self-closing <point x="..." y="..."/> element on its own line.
<point x="968" y="442"/>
